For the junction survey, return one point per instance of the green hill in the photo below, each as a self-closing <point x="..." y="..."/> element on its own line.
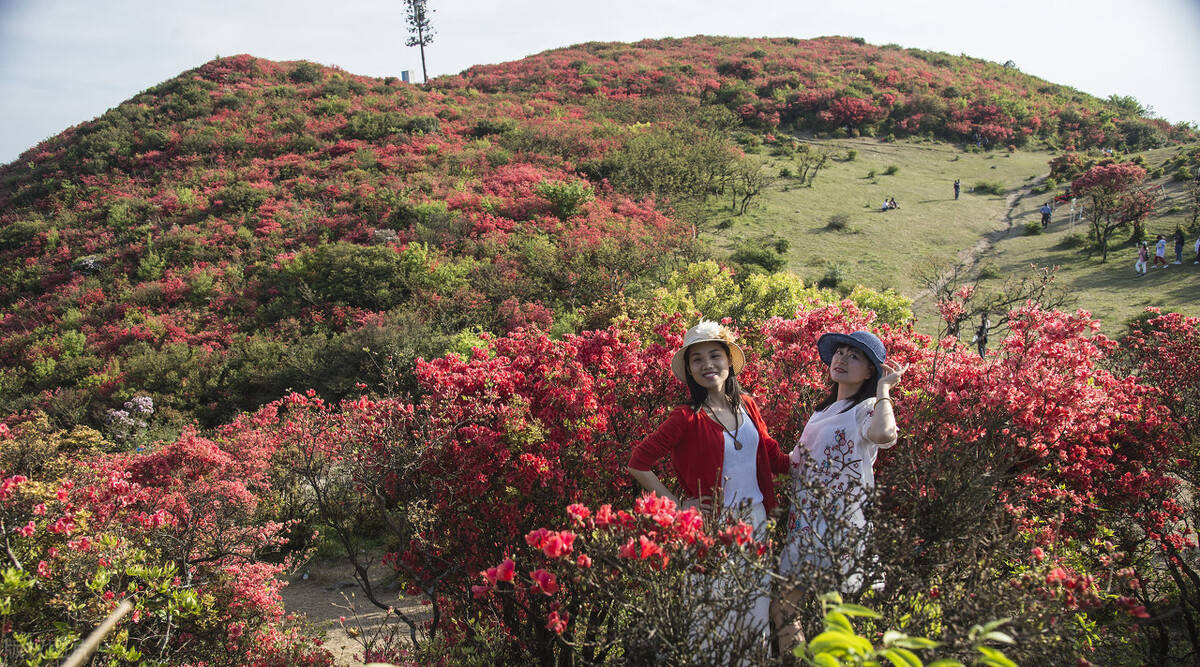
<point x="252" y="226"/>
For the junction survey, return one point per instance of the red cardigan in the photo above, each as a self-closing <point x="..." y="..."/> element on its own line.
<point x="696" y="445"/>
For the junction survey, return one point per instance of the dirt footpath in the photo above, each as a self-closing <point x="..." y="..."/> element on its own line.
<point x="329" y="593"/>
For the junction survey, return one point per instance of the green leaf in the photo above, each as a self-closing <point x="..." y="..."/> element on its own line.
<point x="902" y="657"/>
<point x="830" y="642"/>
<point x="856" y="610"/>
<point x="992" y="625"/>
<point x="916" y="643"/>
<point x="997" y="636"/>
<point x="945" y="662"/>
<point x="826" y="660"/>
<point x="833" y="598"/>
<point x="893" y="635"/>
<point x="836" y="621"/>
<point x="994" y="658"/>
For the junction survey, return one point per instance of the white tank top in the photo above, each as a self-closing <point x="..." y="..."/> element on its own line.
<point x="739" y="471"/>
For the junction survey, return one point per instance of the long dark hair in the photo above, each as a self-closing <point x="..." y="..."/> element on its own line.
<point x="733" y="390"/>
<point x="867" y="390"/>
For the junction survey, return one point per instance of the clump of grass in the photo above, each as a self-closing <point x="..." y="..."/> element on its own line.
<point x="838" y="222"/>
<point x="834" y="277"/>
<point x="871" y="174"/>
<point x="989" y="272"/>
<point x="990" y="188"/>
<point x="851" y="155"/>
<point x="891" y="170"/>
<point x="1072" y="241"/>
<point x="1033" y="228"/>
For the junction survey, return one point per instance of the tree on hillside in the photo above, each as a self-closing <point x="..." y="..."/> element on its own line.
<point x="1114" y="198"/>
<point x="419" y="29"/>
<point x="1131" y="104"/>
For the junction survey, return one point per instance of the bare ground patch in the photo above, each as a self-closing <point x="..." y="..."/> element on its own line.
<point x="328" y="593"/>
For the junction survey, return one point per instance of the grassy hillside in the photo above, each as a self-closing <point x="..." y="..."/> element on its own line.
<point x="883" y="249"/>
<point x="931" y="232"/>
<point x="1110" y="290"/>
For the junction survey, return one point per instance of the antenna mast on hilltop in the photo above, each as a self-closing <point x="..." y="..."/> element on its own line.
<point x="419" y="29"/>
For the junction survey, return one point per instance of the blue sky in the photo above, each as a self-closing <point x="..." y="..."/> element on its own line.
<point x="66" y="62"/>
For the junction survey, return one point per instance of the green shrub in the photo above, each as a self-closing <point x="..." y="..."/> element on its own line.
<point x="374" y="277"/>
<point x="1072" y="241"/>
<point x="422" y="125"/>
<point x="241" y="197"/>
<point x="989" y="187"/>
<point x="888" y="306"/>
<point x="757" y="255"/>
<point x="891" y="170"/>
<point x="20" y="233"/>
<point x="374" y="125"/>
<point x="488" y="126"/>
<point x="305" y="72"/>
<point x="871" y="174"/>
<point x="566" y="198"/>
<point x="834" y="277"/>
<point x="1182" y="174"/>
<point x="151" y="266"/>
<point x="851" y="155"/>
<point x="840" y="644"/>
<point x="1032" y="228"/>
<point x="785" y="172"/>
<point x="331" y="106"/>
<point x="838" y="222"/>
<point x="200" y="142"/>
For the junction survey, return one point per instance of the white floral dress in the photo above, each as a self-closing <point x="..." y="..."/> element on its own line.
<point x="833" y="475"/>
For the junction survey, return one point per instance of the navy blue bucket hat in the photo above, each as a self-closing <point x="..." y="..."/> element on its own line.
<point x="866" y="341"/>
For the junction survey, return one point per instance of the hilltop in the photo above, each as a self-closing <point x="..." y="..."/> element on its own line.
<point x="837" y="84"/>
<point x="250" y="226"/>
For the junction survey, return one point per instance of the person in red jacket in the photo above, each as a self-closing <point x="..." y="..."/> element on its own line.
<point x="723" y="457"/>
<point x="717" y="442"/>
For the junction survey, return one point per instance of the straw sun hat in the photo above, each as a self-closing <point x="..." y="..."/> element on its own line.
<point x="704" y="332"/>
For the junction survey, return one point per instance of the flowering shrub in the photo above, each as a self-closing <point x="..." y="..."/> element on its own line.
<point x="1114" y="199"/>
<point x="654" y="584"/>
<point x="173" y="532"/>
<point x="999" y="500"/>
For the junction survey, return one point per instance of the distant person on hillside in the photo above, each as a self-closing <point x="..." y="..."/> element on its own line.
<point x="892" y="204"/>
<point x="957" y="187"/>
<point x="1046" y="211"/>
<point x="1160" y="252"/>
<point x="1197" y="249"/>
<point x="1143" y="259"/>
<point x="981" y="335"/>
<point x="1178" y="244"/>
<point x="886" y="205"/>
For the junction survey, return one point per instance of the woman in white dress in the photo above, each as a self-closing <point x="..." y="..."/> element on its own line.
<point x="832" y="466"/>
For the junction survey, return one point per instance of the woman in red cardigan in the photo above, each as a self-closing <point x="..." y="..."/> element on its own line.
<point x="718" y="444"/>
